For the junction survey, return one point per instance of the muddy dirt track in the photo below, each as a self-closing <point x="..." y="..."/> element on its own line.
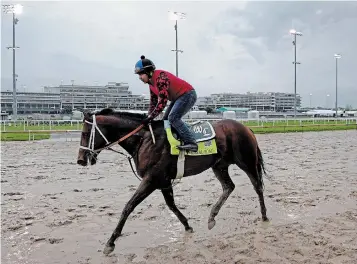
<point x="54" y="211"/>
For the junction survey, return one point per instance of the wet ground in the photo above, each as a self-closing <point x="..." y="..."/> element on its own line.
<point x="54" y="211"/>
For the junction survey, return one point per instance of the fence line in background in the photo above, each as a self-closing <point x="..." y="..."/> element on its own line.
<point x="69" y="132"/>
<point x="50" y="126"/>
<point x="78" y="123"/>
<point x="60" y="131"/>
<point x="79" y="130"/>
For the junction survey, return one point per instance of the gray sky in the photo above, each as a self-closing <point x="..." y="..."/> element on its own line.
<point x="228" y="46"/>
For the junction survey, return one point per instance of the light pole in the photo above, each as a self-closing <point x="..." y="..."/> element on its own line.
<point x="327" y="100"/>
<point x="72" y="94"/>
<point x="14" y="9"/>
<point x="310" y="100"/>
<point x="295" y="33"/>
<point x="176" y="16"/>
<point x="337" y="56"/>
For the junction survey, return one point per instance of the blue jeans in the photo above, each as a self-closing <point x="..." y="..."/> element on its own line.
<point x="177" y="110"/>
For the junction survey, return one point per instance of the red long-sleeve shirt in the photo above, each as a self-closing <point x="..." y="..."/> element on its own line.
<point x="165" y="86"/>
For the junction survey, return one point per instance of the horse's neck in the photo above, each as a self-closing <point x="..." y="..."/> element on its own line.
<point x="129" y="125"/>
<point x="131" y="143"/>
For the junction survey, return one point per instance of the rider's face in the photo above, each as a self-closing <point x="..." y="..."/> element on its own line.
<point x="144" y="77"/>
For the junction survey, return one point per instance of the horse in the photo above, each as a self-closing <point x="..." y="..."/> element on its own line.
<point x="157" y="168"/>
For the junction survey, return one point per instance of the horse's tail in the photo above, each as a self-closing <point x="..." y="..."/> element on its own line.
<point x="260" y="167"/>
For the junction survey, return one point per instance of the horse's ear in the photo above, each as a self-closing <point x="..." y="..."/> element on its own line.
<point x="86" y="114"/>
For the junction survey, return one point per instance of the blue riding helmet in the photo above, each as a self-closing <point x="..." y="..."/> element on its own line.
<point x="144" y="66"/>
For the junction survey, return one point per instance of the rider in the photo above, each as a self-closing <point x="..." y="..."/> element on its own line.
<point x="166" y="86"/>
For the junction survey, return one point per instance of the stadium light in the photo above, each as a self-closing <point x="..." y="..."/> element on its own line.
<point x="176" y="16"/>
<point x="15" y="10"/>
<point x="295" y="33"/>
<point x="337" y="56"/>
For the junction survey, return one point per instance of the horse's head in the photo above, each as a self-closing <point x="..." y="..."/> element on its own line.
<point x="95" y="135"/>
<point x="104" y="129"/>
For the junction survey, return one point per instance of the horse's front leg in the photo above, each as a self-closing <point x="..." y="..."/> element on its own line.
<point x="144" y="190"/>
<point x="168" y="194"/>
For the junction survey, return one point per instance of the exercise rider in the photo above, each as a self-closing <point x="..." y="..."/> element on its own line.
<point x="165" y="86"/>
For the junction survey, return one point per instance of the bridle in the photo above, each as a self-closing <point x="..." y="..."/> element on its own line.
<point x="108" y="144"/>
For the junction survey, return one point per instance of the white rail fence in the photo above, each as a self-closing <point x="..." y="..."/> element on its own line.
<point x="77" y="124"/>
<point x="69" y="129"/>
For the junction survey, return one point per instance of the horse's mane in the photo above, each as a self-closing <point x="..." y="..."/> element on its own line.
<point x="128" y="115"/>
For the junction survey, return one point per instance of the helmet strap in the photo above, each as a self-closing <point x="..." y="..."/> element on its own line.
<point x="150" y="74"/>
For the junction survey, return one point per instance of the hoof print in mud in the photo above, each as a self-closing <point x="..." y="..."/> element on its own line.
<point x="37" y="239"/>
<point x="55" y="240"/>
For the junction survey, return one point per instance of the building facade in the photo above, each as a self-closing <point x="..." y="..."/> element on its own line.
<point x="115" y="95"/>
<point x="55" y="99"/>
<point x="254" y="101"/>
<point x="28" y="103"/>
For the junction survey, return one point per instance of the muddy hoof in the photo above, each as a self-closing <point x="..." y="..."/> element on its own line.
<point x="108" y="249"/>
<point x="189" y="230"/>
<point x="211" y="224"/>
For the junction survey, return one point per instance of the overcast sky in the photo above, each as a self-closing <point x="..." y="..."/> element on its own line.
<point x="228" y="46"/>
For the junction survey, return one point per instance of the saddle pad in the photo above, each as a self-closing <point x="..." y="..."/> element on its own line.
<point x="204" y="135"/>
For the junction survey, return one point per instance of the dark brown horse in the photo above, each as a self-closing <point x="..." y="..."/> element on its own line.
<point x="236" y="144"/>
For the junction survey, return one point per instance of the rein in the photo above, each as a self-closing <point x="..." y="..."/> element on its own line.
<point x="130" y="157"/>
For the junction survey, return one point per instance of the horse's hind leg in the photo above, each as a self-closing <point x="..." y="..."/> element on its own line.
<point x="228" y="187"/>
<point x="169" y="199"/>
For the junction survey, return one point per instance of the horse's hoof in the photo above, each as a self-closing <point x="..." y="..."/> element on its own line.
<point x="189" y="230"/>
<point x="265" y="219"/>
<point x="211" y="224"/>
<point x="108" y="249"/>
